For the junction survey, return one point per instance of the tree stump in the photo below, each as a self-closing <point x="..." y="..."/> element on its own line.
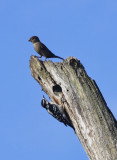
<point x="67" y="83"/>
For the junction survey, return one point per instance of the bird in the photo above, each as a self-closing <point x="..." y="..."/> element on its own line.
<point x="57" y="112"/>
<point x="41" y="49"/>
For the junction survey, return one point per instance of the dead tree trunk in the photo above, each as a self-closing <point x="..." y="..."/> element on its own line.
<point x="67" y="83"/>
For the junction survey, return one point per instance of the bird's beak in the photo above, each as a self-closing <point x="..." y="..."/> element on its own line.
<point x="29" y="40"/>
<point x="43" y="97"/>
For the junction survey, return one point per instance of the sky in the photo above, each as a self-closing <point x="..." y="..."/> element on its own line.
<point x="84" y="29"/>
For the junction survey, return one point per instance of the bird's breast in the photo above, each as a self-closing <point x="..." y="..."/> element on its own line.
<point x="37" y="47"/>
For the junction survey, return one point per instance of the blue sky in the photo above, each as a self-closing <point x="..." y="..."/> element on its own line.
<point x="80" y="28"/>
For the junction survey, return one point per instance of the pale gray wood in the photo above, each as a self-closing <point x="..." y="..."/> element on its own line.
<point x="67" y="83"/>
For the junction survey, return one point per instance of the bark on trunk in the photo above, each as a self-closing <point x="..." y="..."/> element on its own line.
<point x="67" y="83"/>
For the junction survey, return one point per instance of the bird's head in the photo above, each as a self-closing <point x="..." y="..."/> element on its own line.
<point x="34" y="39"/>
<point x="44" y="102"/>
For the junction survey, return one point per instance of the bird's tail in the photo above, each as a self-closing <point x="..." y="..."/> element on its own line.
<point x="59" y="57"/>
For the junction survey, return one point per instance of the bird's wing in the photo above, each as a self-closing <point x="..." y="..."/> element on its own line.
<point x="43" y="47"/>
<point x="46" y="52"/>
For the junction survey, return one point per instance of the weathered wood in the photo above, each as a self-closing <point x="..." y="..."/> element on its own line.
<point x="67" y="83"/>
